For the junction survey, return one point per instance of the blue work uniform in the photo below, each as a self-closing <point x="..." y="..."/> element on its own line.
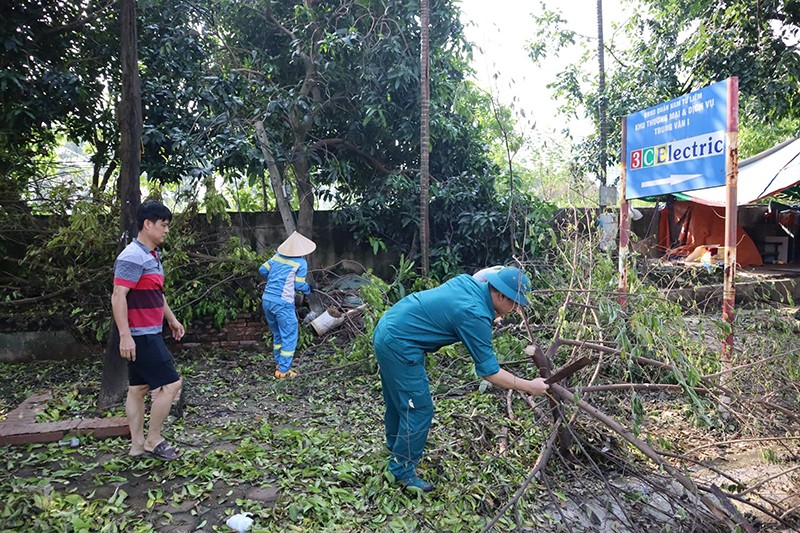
<point x="459" y="310"/>
<point x="284" y="276"/>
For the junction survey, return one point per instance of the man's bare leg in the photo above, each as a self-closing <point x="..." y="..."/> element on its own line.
<point x="159" y="410"/>
<point x="134" y="408"/>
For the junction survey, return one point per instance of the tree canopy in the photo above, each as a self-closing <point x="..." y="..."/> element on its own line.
<point x="335" y="86"/>
<point x="666" y="49"/>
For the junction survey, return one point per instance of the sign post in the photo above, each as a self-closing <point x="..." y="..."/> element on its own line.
<point x="688" y="143"/>
<point x="678" y="145"/>
<point x="624" y="229"/>
<point x="731" y="218"/>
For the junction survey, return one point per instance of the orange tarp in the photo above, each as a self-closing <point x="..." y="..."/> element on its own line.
<point x="683" y="226"/>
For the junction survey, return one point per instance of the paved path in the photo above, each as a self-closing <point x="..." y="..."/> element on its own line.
<point x="20" y="426"/>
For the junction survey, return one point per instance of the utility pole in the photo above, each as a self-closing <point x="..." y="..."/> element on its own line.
<point x="115" y="377"/>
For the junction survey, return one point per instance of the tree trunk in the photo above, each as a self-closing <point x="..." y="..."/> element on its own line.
<point x="305" y="193"/>
<point x="275" y="179"/>
<point x="114" y="380"/>
<point x="425" y="97"/>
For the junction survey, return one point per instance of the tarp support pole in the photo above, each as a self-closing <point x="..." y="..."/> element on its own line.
<point x="731" y="219"/>
<point x="624" y="226"/>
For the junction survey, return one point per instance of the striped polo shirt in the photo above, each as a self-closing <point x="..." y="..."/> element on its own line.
<point x="139" y="268"/>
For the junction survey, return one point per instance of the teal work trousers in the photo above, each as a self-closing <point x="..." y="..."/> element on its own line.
<point x="407" y="396"/>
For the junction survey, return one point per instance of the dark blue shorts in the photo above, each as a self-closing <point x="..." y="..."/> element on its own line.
<point x="153" y="365"/>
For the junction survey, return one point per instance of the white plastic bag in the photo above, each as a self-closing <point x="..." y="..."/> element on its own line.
<point x="240" y="522"/>
<point x="609" y="227"/>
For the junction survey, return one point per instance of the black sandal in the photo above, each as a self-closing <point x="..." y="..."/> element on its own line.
<point x="164" y="452"/>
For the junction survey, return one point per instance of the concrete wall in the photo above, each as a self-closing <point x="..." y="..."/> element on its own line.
<point x="41" y="345"/>
<point x="335" y="247"/>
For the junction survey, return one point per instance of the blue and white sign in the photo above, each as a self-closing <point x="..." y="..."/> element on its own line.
<point x="678" y="145"/>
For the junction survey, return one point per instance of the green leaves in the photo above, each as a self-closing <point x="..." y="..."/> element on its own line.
<point x="638" y="412"/>
<point x="222" y="287"/>
<point x="319" y="443"/>
<point x="667" y="49"/>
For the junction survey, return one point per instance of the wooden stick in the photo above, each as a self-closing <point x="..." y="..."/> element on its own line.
<point x="737" y="441"/>
<point x="732" y="510"/>
<point x="740" y="367"/>
<point x="638" y="386"/>
<point x="765" y="481"/>
<point x="541" y="462"/>
<point x="746" y="502"/>
<point x="564" y="395"/>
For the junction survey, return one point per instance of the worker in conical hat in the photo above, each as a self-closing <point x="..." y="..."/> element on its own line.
<point x="285" y="273"/>
<point x="297" y="245"/>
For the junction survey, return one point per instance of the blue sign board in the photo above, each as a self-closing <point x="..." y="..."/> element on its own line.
<point x="678" y="145"/>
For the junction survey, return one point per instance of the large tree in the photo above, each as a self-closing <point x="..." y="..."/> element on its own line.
<point x="331" y="93"/>
<point x="114" y="376"/>
<point x="335" y="87"/>
<point x="56" y="66"/>
<point x="425" y="127"/>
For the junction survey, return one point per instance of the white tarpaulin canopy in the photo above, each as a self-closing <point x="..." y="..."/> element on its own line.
<point x="762" y="175"/>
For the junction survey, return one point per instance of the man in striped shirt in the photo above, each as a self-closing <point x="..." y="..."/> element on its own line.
<point x="139" y="309"/>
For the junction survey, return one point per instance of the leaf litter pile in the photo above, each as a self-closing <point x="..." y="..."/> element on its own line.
<point x="652" y="436"/>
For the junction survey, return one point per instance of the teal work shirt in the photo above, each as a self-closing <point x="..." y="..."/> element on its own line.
<point x="459" y="310"/>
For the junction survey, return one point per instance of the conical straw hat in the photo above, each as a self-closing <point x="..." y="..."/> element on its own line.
<point x="296" y="246"/>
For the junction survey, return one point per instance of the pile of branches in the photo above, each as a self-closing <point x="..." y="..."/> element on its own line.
<point x="571" y="439"/>
<point x="653" y="352"/>
<point x="57" y="270"/>
<point x="614" y="475"/>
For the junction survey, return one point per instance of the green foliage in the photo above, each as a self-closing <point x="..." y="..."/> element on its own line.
<point x="406" y="280"/>
<point x="769" y="455"/>
<point x="756" y="136"/>
<point x="66" y="404"/>
<point x="220" y="285"/>
<point x="329" y="470"/>
<point x="469" y="223"/>
<point x="318" y="438"/>
<point x="637" y="413"/>
<point x="58" y="66"/>
<point x="671" y="48"/>
<point x="69" y="512"/>
<point x="70" y="254"/>
<point x="652" y="327"/>
<point x="376" y="244"/>
<point x="337" y="91"/>
<point x="68" y="264"/>
<point x="374" y="294"/>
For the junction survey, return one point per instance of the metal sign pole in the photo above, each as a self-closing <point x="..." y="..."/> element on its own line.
<point x="731" y="218"/>
<point x="624" y="227"/>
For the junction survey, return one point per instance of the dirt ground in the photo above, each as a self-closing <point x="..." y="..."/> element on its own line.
<point x="226" y="395"/>
<point x="282" y="449"/>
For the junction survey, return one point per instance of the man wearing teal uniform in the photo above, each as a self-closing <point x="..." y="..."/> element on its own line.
<point x="462" y="309"/>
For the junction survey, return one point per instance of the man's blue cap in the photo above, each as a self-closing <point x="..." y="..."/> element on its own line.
<point x="511" y="282"/>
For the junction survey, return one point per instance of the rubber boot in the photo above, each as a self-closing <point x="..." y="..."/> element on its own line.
<point x="417" y="483"/>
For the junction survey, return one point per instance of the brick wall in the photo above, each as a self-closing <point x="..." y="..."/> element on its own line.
<point x="245" y="331"/>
